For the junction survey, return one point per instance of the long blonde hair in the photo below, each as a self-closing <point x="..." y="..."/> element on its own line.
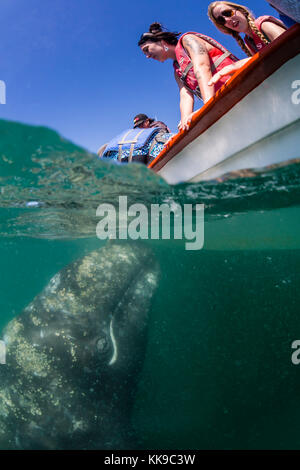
<point x="250" y="19"/>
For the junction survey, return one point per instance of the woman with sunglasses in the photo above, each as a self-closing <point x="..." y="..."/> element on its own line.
<point x="234" y="19"/>
<point x="196" y="58"/>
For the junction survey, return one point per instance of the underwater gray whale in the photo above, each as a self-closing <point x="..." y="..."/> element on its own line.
<point x="74" y="354"/>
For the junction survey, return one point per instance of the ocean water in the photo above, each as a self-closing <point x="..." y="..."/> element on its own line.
<point x="218" y="372"/>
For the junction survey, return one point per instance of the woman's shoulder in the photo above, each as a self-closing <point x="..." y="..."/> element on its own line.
<point x="268" y="18"/>
<point x="192" y="35"/>
<point x="189" y="34"/>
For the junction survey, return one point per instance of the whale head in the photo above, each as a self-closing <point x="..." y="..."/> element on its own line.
<point x="74" y="354"/>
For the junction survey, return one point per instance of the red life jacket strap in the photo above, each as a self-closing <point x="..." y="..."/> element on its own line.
<point x="219" y="60"/>
<point x="186" y="71"/>
<point x="183" y="76"/>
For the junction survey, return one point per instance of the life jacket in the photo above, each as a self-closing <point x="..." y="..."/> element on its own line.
<point x="130" y="145"/>
<point x="219" y="58"/>
<point x="255" y="44"/>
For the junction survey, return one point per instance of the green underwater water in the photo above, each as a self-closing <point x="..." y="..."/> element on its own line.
<point x="218" y="372"/>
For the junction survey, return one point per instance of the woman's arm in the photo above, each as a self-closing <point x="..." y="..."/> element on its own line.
<point x="272" y="30"/>
<point x="186" y="105"/>
<point x="196" y="48"/>
<point x="228" y="70"/>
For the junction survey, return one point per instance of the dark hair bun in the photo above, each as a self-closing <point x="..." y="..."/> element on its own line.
<point x="155" y="28"/>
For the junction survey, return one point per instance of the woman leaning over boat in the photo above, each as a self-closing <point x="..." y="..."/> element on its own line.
<point x="234" y="19"/>
<point x="196" y="58"/>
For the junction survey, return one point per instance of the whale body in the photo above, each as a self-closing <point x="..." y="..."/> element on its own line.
<point x="74" y="354"/>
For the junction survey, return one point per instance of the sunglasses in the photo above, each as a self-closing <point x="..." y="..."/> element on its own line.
<point x="225" y="14"/>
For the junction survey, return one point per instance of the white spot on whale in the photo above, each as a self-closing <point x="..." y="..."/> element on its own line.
<point x="151" y="279"/>
<point x="114" y="343"/>
<point x="53" y="284"/>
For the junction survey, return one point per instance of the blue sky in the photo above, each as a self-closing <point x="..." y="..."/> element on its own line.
<point x="74" y="65"/>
